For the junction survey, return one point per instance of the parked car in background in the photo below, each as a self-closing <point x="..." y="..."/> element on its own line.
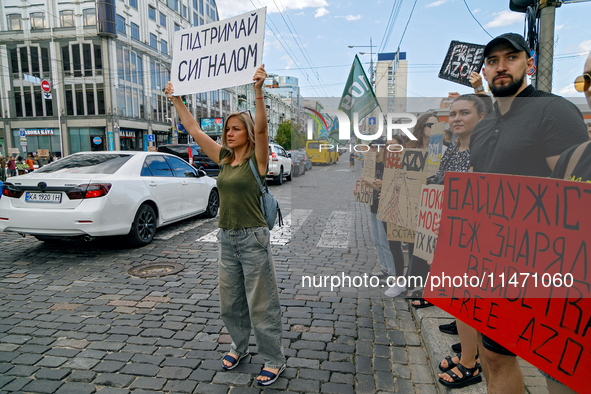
<point x="192" y="154"/>
<point x="279" y="164"/>
<point x="297" y="165"/>
<point x="308" y="161"/>
<point x="93" y="194"/>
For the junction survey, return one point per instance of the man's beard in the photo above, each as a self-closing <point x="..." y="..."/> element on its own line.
<point x="507" y="90"/>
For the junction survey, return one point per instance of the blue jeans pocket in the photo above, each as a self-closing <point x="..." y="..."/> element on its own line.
<point x="261" y="236"/>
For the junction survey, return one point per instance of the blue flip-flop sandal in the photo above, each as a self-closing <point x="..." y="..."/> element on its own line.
<point x="273" y="377"/>
<point x="233" y="360"/>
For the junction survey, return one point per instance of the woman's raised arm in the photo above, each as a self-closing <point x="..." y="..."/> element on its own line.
<point x="209" y="146"/>
<point x="261" y="128"/>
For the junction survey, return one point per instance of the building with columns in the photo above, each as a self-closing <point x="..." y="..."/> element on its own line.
<point x="106" y="62"/>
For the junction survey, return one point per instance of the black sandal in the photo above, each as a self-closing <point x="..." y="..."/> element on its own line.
<point x="414" y="295"/>
<point x="422" y="303"/>
<point x="457" y="347"/>
<point x="450" y="363"/>
<point x="451" y="328"/>
<point x="468" y="377"/>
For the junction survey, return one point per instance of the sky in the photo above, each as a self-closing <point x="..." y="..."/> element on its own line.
<point x="325" y="28"/>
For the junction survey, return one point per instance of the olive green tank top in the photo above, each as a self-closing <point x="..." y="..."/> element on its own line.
<point x="240" y="204"/>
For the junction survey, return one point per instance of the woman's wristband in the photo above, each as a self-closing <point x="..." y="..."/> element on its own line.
<point x="259" y="98"/>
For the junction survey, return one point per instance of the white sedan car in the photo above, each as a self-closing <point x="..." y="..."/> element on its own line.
<point x="92" y="194"/>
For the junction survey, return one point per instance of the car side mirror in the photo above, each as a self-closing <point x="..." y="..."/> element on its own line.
<point x="201" y="172"/>
<point x="289" y="154"/>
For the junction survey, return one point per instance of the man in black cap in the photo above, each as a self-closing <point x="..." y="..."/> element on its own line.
<point x="524" y="135"/>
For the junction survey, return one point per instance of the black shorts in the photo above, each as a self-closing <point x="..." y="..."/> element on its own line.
<point x="494" y="347"/>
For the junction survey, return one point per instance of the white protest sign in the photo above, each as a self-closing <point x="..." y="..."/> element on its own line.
<point x="219" y="54"/>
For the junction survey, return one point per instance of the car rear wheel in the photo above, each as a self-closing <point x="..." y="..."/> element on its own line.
<point x="279" y="179"/>
<point x="213" y="204"/>
<point x="143" y="227"/>
<point x="290" y="174"/>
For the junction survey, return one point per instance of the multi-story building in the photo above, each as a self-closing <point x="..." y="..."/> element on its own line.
<point x="390" y="84"/>
<point x="107" y="63"/>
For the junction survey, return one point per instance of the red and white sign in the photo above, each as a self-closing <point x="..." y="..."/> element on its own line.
<point x="45" y="86"/>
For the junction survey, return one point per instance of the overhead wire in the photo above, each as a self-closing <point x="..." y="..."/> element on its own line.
<point x="479" y="24"/>
<point x="295" y="37"/>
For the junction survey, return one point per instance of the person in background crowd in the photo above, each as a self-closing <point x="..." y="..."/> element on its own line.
<point x="416" y="265"/>
<point x="2" y="169"/>
<point x="422" y="131"/>
<point x="580" y="156"/>
<point x="396" y="246"/>
<point x="248" y="284"/>
<point x="524" y="135"/>
<point x="378" y="230"/>
<point x="21" y="166"/>
<point x="352" y="160"/>
<point x="11" y="166"/>
<point x="31" y="163"/>
<point x="464" y="114"/>
<point x="447" y="137"/>
<point x="589" y="129"/>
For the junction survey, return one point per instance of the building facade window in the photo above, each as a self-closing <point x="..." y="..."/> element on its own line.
<point x="135" y="31"/>
<point x="130" y="94"/>
<point x="89" y="16"/>
<point x="34" y="60"/>
<point x="184" y="11"/>
<point x="164" y="46"/>
<point x="201" y="7"/>
<point x="176" y="27"/>
<point x="14" y="22"/>
<point x="195" y="20"/>
<point x="174" y="4"/>
<point x="84" y="140"/>
<point x="121" y="25"/>
<point x="82" y="59"/>
<point x="37" y="20"/>
<point x="153" y="41"/>
<point x="162" y="19"/>
<point x="133" y="3"/>
<point x="159" y="74"/>
<point x="67" y="18"/>
<point x="152" y="13"/>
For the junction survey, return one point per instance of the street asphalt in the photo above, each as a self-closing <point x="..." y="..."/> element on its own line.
<point x="72" y="320"/>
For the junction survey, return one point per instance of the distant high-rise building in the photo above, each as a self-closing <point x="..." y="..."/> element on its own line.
<point x="390" y="81"/>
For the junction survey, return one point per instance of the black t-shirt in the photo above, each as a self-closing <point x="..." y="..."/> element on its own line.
<point x="581" y="172"/>
<point x="376" y="193"/>
<point x="538" y="125"/>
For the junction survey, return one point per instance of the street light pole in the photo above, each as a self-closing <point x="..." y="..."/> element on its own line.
<point x="371" y="46"/>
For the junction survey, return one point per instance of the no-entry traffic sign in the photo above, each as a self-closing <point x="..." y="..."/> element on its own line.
<point x="45" y="86"/>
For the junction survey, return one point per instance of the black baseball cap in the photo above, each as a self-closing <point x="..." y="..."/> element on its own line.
<point x="516" y="40"/>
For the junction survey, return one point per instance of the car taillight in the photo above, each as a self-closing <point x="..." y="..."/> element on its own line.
<point x="190" y="156"/>
<point x="91" y="190"/>
<point x="274" y="157"/>
<point x="9" y="190"/>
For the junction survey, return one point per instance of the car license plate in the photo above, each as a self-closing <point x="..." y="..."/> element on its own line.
<point x="54" y="198"/>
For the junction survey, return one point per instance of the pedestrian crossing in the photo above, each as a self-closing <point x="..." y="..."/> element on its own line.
<point x="336" y="233"/>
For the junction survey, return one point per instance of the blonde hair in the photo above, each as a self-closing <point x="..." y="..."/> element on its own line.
<point x="248" y="124"/>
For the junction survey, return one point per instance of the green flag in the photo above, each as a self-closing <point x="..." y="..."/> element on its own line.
<point x="358" y="95"/>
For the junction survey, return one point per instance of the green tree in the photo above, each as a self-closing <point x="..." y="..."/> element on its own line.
<point x="283" y="136"/>
<point x="289" y="136"/>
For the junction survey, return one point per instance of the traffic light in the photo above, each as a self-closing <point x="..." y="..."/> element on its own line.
<point x="520" y="5"/>
<point x="184" y="98"/>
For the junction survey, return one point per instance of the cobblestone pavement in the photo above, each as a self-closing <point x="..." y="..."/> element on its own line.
<point x="73" y="320"/>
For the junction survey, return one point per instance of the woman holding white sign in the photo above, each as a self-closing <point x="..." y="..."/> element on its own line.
<point x="248" y="286"/>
